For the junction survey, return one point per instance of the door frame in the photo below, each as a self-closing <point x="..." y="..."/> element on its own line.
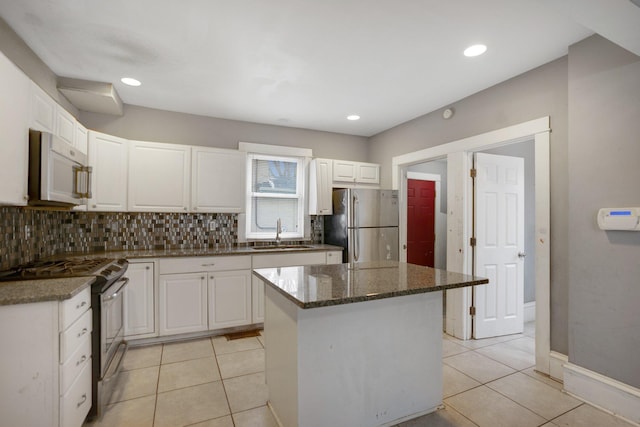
<point x="459" y="216"/>
<point x="422" y="176"/>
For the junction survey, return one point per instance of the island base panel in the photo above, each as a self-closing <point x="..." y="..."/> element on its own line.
<point x="372" y="363"/>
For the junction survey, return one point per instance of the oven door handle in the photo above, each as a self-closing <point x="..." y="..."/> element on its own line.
<point x="115" y="294"/>
<point x="115" y="371"/>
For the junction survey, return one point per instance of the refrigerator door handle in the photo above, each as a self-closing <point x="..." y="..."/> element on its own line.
<point x="356" y="225"/>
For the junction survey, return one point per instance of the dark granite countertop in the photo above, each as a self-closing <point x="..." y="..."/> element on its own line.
<point x="39" y="290"/>
<point x="325" y="285"/>
<point x="220" y="251"/>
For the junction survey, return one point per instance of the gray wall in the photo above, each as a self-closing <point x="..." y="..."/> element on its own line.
<point x="537" y="93"/>
<point x="526" y="150"/>
<point x="23" y="57"/>
<point x="149" y="124"/>
<point x="604" y="150"/>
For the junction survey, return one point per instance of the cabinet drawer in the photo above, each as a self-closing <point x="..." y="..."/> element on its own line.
<point x="73" y="308"/>
<point x="196" y="264"/>
<point x="288" y="260"/>
<point x="71" y="338"/>
<point x="76" y="402"/>
<point x="334" y="257"/>
<point x="70" y="370"/>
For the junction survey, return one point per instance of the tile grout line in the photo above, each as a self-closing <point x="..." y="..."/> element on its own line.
<point x="155" y="404"/>
<point x="224" y="388"/>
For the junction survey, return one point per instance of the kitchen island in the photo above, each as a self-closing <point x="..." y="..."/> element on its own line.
<point x="356" y="345"/>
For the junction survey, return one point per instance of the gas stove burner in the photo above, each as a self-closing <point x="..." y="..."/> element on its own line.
<point x="104" y="268"/>
<point x="66" y="267"/>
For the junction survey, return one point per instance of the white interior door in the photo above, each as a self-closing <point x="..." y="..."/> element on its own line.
<point x="499" y="254"/>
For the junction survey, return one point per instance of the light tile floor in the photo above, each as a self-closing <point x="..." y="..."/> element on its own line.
<point x="213" y="382"/>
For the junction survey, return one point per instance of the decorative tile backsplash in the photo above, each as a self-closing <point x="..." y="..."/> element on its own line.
<point x="29" y="234"/>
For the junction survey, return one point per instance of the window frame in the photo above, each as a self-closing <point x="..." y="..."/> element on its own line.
<point x="300" y="195"/>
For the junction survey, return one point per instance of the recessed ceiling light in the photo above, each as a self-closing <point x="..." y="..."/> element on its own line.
<point x="130" y="81"/>
<point x="475" y="50"/>
<point x="353" y="117"/>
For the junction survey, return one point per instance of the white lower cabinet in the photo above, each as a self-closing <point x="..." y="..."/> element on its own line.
<point x="46" y="362"/>
<point x="229" y="299"/>
<point x="202" y="293"/>
<point x="139" y="301"/>
<point x="183" y="303"/>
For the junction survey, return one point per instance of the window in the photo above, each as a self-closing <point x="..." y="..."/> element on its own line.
<point x="275" y="192"/>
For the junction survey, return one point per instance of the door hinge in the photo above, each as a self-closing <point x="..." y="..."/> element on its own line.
<point x="473" y="173"/>
<point x="472" y="241"/>
<point x="472" y="311"/>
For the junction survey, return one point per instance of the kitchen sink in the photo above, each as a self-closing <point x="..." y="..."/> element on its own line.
<point x="281" y="247"/>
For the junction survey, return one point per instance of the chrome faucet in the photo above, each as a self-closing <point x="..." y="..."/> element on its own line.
<point x="278" y="231"/>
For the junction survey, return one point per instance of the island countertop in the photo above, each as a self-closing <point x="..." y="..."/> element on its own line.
<point x="325" y="285"/>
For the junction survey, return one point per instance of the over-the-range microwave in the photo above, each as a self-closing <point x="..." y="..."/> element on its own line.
<point x="58" y="172"/>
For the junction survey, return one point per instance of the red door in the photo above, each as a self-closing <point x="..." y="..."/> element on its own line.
<point x="421" y="234"/>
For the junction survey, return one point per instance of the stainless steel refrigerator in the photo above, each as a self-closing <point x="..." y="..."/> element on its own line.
<point x="365" y="224"/>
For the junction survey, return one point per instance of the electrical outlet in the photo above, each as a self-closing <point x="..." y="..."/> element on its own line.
<point x="213" y="225"/>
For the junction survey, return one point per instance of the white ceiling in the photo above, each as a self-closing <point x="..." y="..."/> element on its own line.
<point x="300" y="63"/>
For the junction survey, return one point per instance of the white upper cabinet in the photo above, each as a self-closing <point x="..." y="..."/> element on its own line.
<point x="344" y="171"/>
<point x="355" y="172"/>
<point x="368" y="173"/>
<point x="43" y="110"/>
<point x="46" y="115"/>
<point x="81" y="138"/>
<point x="14" y="135"/>
<point x="320" y="186"/>
<point x="108" y="157"/>
<point x="159" y="177"/>
<point x="217" y="180"/>
<point x="65" y="125"/>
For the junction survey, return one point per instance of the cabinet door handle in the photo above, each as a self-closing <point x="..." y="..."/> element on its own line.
<point x="82" y="359"/>
<point x="209" y="265"/>
<point x="83" y="399"/>
<point x="82" y="304"/>
<point x="84" y="331"/>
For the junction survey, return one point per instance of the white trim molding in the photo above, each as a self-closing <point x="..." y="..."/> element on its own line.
<point x="529" y="311"/>
<point x="458" y="322"/>
<point x="556" y="365"/>
<point x="610" y="395"/>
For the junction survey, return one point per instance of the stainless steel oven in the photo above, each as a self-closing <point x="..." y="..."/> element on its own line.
<point x="113" y="347"/>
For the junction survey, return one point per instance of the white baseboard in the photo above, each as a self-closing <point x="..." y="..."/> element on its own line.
<point x="556" y="365"/>
<point x="529" y="311"/>
<point x="603" y="392"/>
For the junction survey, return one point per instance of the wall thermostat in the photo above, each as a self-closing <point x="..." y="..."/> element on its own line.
<point x="619" y="219"/>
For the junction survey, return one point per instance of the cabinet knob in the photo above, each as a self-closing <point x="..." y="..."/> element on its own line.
<point x="147" y="268"/>
<point x="202" y="278"/>
<point x="95" y="206"/>
<point x="211" y="277"/>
